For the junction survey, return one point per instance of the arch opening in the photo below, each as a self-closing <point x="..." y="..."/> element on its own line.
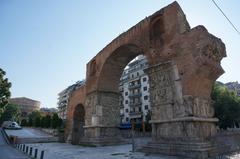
<point x="123" y="90"/>
<point x="78" y="123"/>
<point x="134" y="101"/>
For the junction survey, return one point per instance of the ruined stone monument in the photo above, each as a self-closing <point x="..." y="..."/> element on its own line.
<point x="183" y="66"/>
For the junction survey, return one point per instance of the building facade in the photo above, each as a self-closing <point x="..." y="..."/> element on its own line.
<point x="134" y="87"/>
<point x="26" y="105"/>
<point x="48" y="111"/>
<point x="63" y="99"/>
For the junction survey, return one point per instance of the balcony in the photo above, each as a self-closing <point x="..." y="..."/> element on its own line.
<point x="134" y="104"/>
<point x="132" y="95"/>
<point x="121" y="106"/>
<point x="120" y="88"/>
<point x="134" y="86"/>
<point x="135" y="114"/>
<point x="123" y="80"/>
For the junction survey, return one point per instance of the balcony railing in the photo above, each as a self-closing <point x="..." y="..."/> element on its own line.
<point x="120" y="88"/>
<point x="138" y="94"/>
<point x="131" y="113"/>
<point x="134" y="86"/>
<point x="135" y="103"/>
<point x="121" y="105"/>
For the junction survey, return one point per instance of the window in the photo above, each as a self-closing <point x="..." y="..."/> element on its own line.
<point x="145" y="88"/>
<point x="126" y="93"/>
<point x="137" y="73"/>
<point x="126" y="110"/>
<point x="132" y="75"/>
<point x="139" y="109"/>
<point x="133" y="109"/>
<point x="127" y="119"/>
<point x="126" y="101"/>
<point x="144" y="79"/>
<point x="138" y="82"/>
<point x="146" y="107"/>
<point x="136" y="100"/>
<point x="145" y="97"/>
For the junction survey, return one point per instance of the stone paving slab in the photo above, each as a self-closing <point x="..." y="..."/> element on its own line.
<point x="68" y="151"/>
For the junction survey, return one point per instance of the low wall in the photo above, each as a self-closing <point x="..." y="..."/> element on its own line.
<point x="228" y="141"/>
<point x="127" y="133"/>
<point x="53" y="132"/>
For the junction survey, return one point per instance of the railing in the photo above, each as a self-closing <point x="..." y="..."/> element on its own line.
<point x="120" y="88"/>
<point x="135" y="113"/>
<point x="139" y="94"/>
<point x="134" y="86"/>
<point x="5" y="136"/>
<point x="135" y="103"/>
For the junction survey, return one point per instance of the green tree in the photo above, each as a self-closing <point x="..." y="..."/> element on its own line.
<point x="11" y="112"/>
<point x="4" y="89"/>
<point x="37" y="122"/>
<point x="24" y="122"/>
<point x="56" y="121"/>
<point x="35" y="119"/>
<point x="148" y="126"/>
<point x="48" y="121"/>
<point x="43" y="121"/>
<point x="227" y="106"/>
<point x="4" y="92"/>
<point x="30" y="122"/>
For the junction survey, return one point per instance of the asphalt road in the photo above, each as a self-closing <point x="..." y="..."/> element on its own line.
<point x="8" y="152"/>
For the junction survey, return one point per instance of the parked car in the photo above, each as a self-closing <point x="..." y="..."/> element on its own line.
<point x="11" y="125"/>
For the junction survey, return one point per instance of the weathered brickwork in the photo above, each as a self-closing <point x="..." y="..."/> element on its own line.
<point x="183" y="66"/>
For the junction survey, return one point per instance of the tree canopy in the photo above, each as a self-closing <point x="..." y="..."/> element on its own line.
<point x="4" y="89"/>
<point x="227" y="106"/>
<point x="11" y="112"/>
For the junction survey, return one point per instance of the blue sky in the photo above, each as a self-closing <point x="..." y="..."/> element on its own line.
<point x="45" y="45"/>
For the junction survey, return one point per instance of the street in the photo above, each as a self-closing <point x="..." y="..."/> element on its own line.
<point x="8" y="152"/>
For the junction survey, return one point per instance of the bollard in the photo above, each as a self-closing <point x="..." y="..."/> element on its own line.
<point x="36" y="152"/>
<point x="30" y="153"/>
<point x="42" y="154"/>
<point x="27" y="150"/>
<point x="23" y="148"/>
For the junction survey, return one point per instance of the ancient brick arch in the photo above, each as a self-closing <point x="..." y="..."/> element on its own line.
<point x="183" y="66"/>
<point x="78" y="123"/>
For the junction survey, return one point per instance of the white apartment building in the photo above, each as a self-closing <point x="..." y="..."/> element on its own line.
<point x="64" y="98"/>
<point x="134" y="87"/>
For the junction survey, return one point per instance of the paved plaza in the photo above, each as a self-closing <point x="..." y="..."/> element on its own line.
<point x="27" y="133"/>
<point x="67" y="151"/>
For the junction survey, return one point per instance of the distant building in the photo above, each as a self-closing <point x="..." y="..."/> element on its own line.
<point x="235" y="86"/>
<point x="26" y="105"/>
<point x="63" y="98"/>
<point x="48" y="111"/>
<point x="134" y="87"/>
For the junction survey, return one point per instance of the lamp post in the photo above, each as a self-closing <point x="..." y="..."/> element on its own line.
<point x="133" y="142"/>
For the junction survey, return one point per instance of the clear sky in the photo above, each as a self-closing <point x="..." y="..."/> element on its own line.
<point x="45" y="44"/>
